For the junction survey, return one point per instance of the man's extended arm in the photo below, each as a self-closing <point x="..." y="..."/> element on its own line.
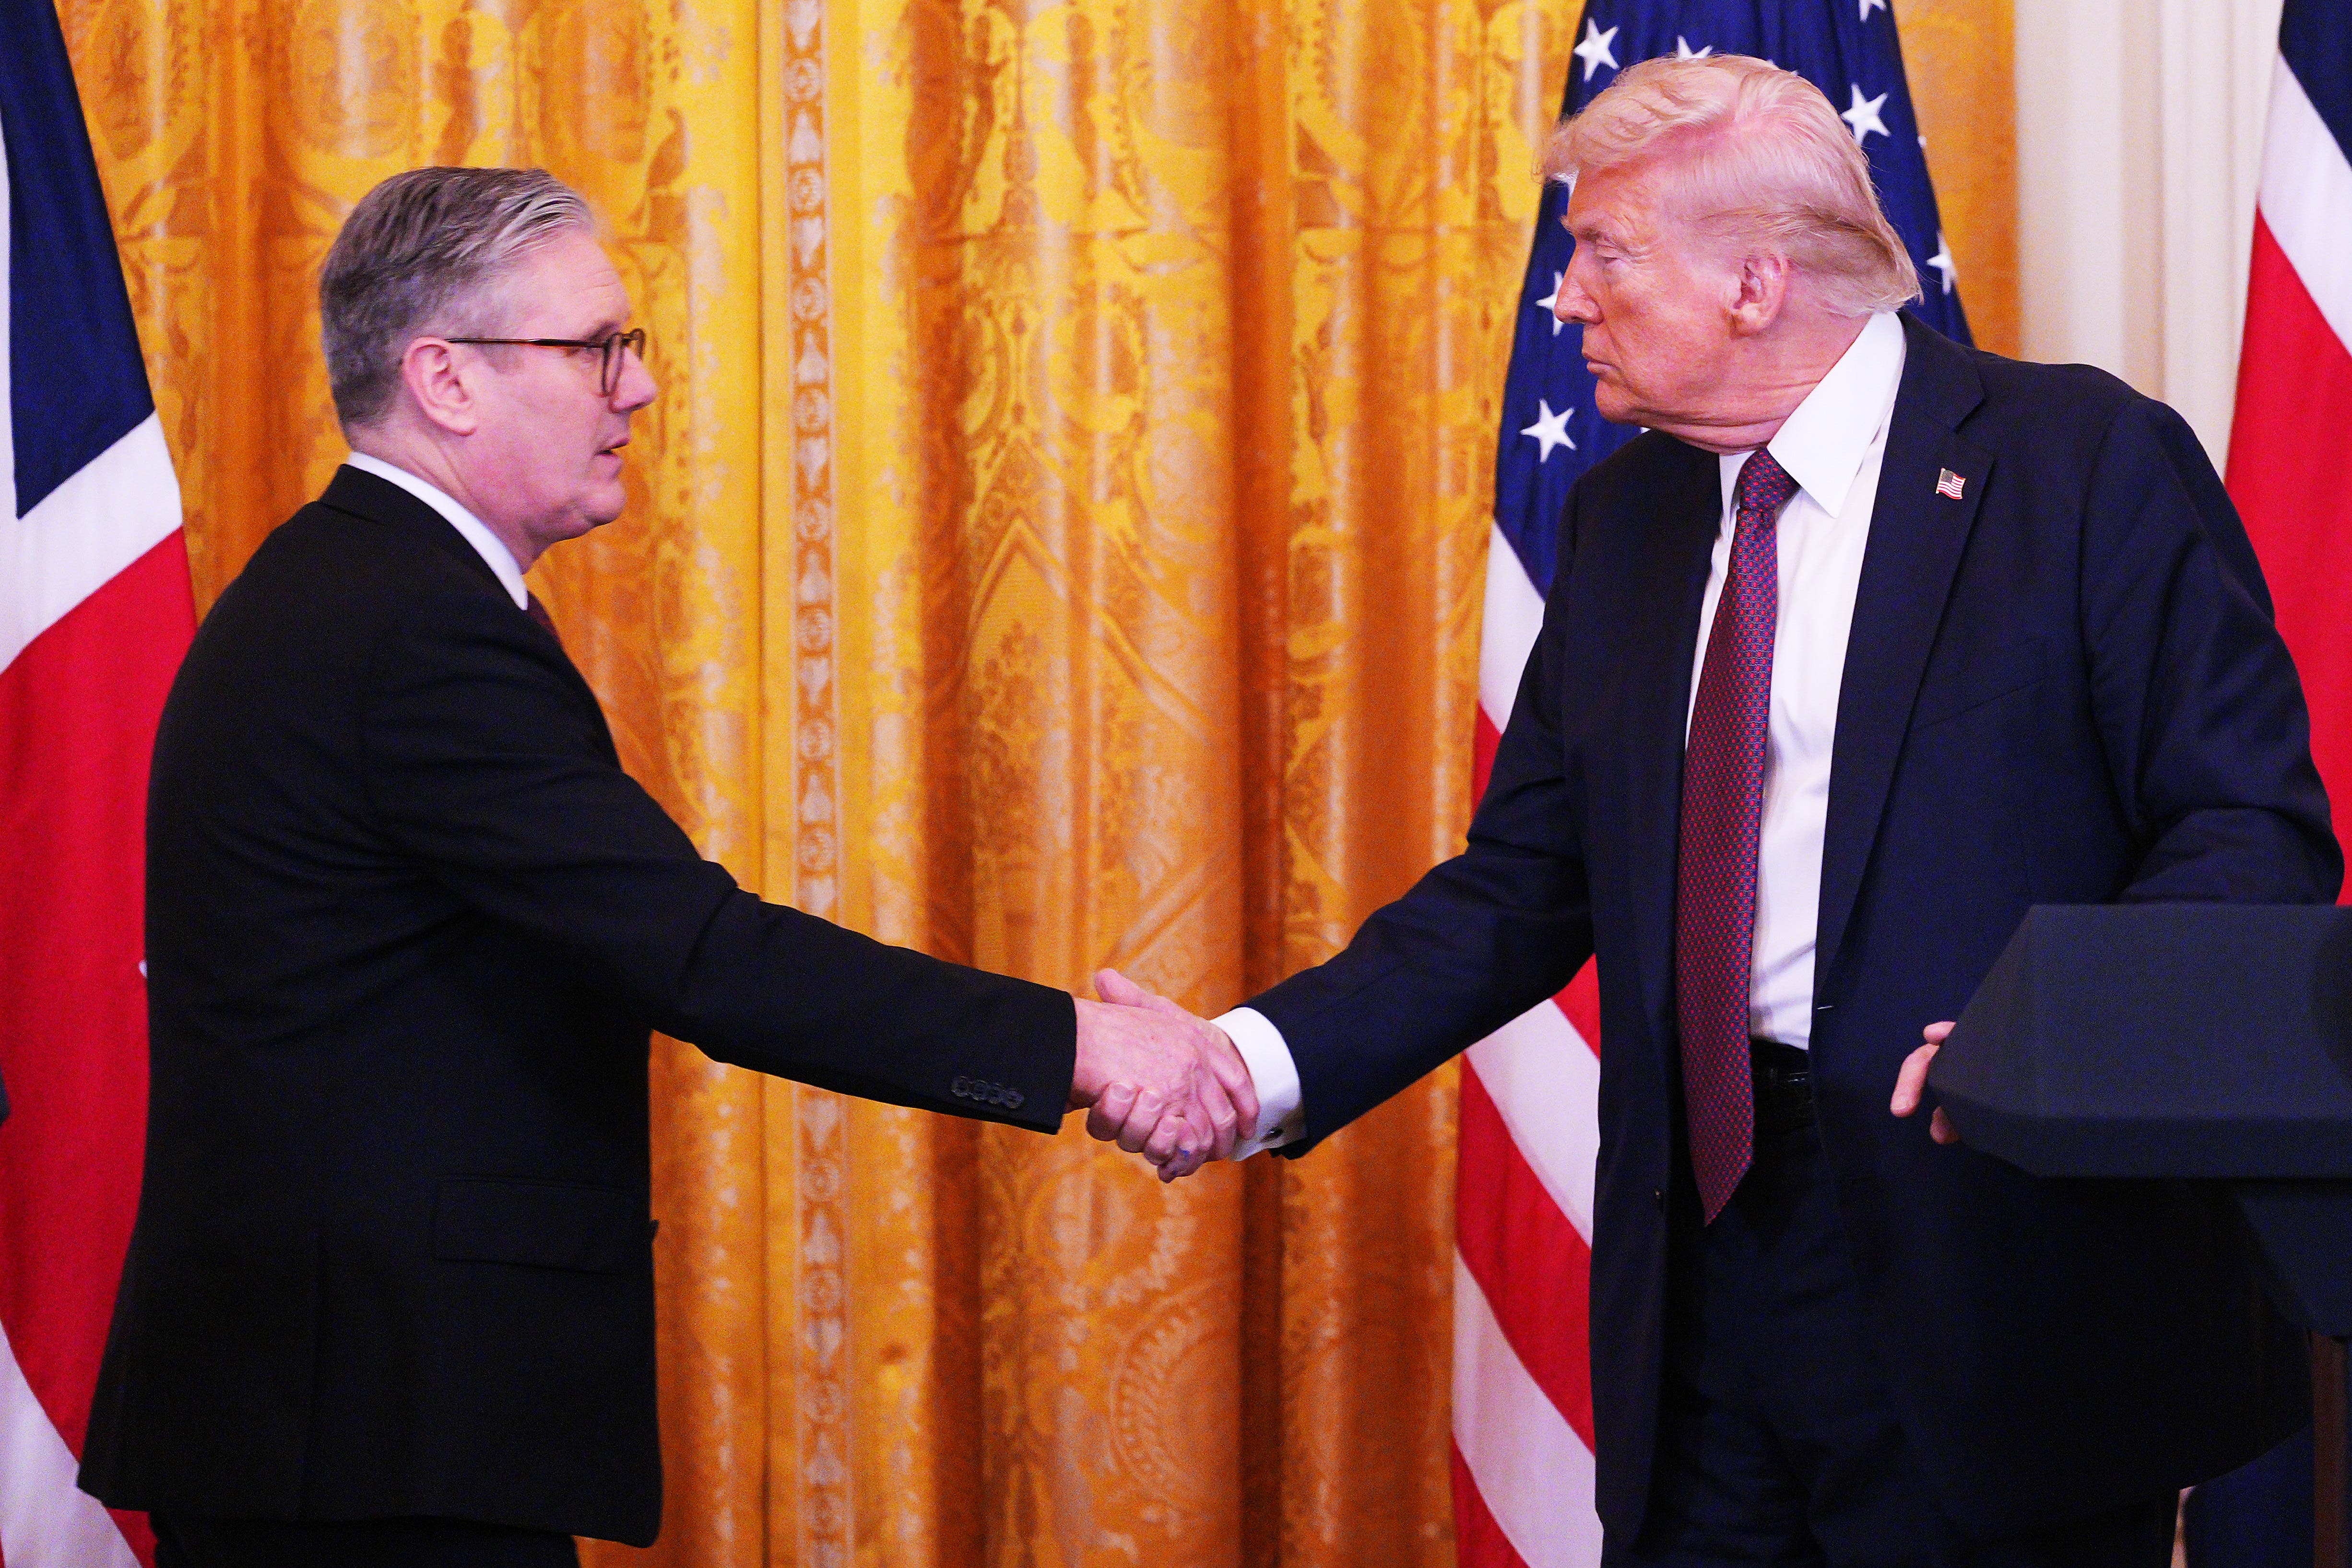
<point x="486" y="767"/>
<point x="1480" y="939"/>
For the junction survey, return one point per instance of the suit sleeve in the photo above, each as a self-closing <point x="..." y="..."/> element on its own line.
<point x="487" y="767"/>
<point x="1477" y="942"/>
<point x="2195" y="696"/>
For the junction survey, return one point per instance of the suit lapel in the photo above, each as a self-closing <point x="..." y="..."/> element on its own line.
<point x="1669" y="590"/>
<point x="1917" y="534"/>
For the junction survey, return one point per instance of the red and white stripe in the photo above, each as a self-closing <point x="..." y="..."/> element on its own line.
<point x="2290" y="461"/>
<point x="95" y="614"/>
<point x="1530" y="1136"/>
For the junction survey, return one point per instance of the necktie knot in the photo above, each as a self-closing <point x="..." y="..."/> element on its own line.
<point x="1764" y="486"/>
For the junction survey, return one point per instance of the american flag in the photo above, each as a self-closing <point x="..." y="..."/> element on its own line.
<point x="95" y="614"/>
<point x="1523" y="1483"/>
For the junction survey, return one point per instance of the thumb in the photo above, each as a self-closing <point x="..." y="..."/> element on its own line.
<point x="1116" y="989"/>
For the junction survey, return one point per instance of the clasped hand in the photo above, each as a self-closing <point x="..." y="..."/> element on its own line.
<point x="1157" y="1080"/>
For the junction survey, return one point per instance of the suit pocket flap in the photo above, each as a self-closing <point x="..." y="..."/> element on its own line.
<point x="546" y="1225"/>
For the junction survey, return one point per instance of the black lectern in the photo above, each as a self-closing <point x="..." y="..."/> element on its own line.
<point x="2208" y="1041"/>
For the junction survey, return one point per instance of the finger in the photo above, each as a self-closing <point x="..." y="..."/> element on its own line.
<point x="1216" y="1120"/>
<point x="1912" y="1082"/>
<point x="1940" y="1129"/>
<point x="1141" y="1125"/>
<point x="1233" y="1074"/>
<point x="1177" y="1167"/>
<point x="1171" y="1136"/>
<point x="1116" y="989"/>
<point x="1202" y="1139"/>
<point x="1109" y="1110"/>
<point x="1143" y="1122"/>
<point x="1936" y="1033"/>
<point x="1191" y="1154"/>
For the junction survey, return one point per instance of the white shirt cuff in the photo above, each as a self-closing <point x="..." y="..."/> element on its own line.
<point x="1281" y="1118"/>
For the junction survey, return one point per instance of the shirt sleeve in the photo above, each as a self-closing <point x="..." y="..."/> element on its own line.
<point x="1281" y="1116"/>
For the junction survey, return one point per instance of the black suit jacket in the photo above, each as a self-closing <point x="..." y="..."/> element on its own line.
<point x="408" y="925"/>
<point x="2064" y="688"/>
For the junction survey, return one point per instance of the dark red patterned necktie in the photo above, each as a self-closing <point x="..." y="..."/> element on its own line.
<point x="1723" y="808"/>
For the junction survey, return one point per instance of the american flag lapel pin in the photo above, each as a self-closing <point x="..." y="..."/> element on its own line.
<point x="1948" y="484"/>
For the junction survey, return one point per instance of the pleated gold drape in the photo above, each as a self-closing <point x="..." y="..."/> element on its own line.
<point x="1058" y="542"/>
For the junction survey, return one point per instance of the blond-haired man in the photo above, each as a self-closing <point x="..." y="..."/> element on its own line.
<point x="1872" y="642"/>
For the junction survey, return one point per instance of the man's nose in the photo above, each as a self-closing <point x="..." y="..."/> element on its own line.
<point x="637" y="386"/>
<point x="1572" y="306"/>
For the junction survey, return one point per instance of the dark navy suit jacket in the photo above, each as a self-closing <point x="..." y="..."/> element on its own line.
<point x="2064" y="688"/>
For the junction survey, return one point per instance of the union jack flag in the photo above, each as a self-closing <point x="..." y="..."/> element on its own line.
<point x="1529" y="1131"/>
<point x="95" y="612"/>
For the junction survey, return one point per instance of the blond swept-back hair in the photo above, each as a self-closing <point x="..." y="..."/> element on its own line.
<point x="1755" y="153"/>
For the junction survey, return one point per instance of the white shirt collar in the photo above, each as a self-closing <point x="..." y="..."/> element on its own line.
<point x="1823" y="444"/>
<point x="469" y="528"/>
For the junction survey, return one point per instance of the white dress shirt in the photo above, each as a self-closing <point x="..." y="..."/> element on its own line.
<point x="1832" y="446"/>
<point x="471" y="528"/>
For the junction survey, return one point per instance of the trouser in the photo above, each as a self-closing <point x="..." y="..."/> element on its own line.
<point x="199" y="1541"/>
<point x="1777" y="1442"/>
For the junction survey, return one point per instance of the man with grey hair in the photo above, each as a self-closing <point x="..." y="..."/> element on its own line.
<point x="1870" y="643"/>
<point x="389" y="1299"/>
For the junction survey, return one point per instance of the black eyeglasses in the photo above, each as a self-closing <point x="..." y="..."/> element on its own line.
<point x="608" y="370"/>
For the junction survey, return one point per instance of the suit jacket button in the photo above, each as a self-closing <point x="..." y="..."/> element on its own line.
<point x="960" y="1089"/>
<point x="1012" y="1098"/>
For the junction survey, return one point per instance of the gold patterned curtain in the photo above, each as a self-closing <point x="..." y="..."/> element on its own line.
<point x="1058" y="542"/>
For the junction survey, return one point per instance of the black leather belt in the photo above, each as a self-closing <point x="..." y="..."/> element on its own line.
<point x="1784" y="1087"/>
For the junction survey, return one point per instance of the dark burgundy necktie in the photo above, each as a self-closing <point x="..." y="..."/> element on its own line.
<point x="1723" y="808"/>
<point x="539" y="613"/>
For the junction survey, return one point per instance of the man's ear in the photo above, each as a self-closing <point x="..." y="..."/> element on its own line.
<point x="1762" y="289"/>
<point x="443" y="392"/>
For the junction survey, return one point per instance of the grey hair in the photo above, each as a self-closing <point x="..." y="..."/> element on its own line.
<point x="419" y="254"/>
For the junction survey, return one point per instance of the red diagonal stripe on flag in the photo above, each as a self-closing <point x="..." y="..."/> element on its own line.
<point x="1531" y="1262"/>
<point x="2294" y="485"/>
<point x="78" y="714"/>
<point x="1478" y="1539"/>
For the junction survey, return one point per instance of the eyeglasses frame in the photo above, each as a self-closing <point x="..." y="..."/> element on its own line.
<point x="608" y="376"/>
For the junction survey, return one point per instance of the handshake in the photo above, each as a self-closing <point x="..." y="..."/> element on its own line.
<point x="1157" y="1080"/>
